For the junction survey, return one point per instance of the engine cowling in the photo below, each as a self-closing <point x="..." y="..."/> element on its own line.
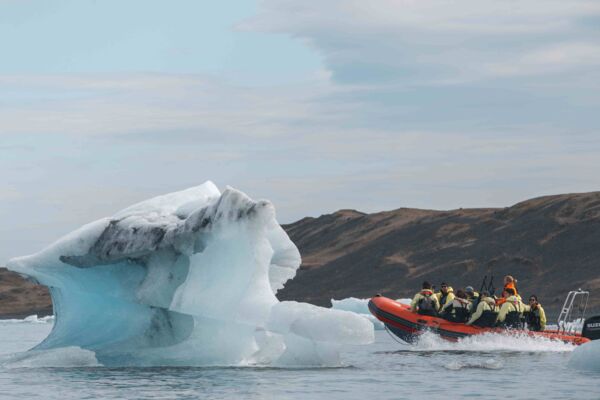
<point x="591" y="328"/>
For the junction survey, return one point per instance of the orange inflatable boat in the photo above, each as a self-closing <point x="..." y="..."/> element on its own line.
<point x="402" y="322"/>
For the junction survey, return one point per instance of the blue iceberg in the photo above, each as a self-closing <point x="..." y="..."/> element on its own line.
<point x="586" y="357"/>
<point x="188" y="278"/>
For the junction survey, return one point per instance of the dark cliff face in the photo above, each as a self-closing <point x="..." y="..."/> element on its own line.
<point x="550" y="244"/>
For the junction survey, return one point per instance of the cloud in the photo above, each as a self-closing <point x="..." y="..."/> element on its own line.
<point x="433" y="42"/>
<point x="108" y="104"/>
<point x="480" y="16"/>
<point x="431" y="104"/>
<point x="552" y="59"/>
<point x="81" y="147"/>
<point x="8" y="193"/>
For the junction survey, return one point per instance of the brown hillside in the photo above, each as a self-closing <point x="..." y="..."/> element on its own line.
<point x="20" y="298"/>
<point x="551" y="244"/>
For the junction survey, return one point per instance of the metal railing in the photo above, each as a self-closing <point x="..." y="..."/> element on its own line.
<point x="572" y="315"/>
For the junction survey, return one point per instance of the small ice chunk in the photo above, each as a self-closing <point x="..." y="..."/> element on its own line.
<point x="61" y="357"/>
<point x="358" y="306"/>
<point x="586" y="357"/>
<point x="320" y="324"/>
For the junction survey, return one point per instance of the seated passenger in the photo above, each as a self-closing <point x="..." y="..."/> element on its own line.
<point x="445" y="295"/>
<point x="511" y="311"/>
<point x="486" y="313"/>
<point x="472" y="296"/>
<point x="471" y="293"/>
<point x="425" y="302"/>
<point x="458" y="309"/>
<point x="535" y="315"/>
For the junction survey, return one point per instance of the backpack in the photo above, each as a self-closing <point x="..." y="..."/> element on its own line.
<point x="427" y="305"/>
<point x="513" y="318"/>
<point x="457" y="314"/>
<point x="487" y="319"/>
<point x="461" y="314"/>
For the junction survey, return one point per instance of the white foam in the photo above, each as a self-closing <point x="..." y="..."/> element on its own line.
<point x="490" y="363"/>
<point x="491" y="342"/>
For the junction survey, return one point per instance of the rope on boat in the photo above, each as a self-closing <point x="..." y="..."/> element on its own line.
<point x="402" y="342"/>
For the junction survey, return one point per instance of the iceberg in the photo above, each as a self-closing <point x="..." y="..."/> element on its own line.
<point x="188" y="278"/>
<point x="361" y="307"/>
<point x="586" y="357"/>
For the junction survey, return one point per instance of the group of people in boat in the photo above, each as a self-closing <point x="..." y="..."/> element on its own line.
<point x="481" y="309"/>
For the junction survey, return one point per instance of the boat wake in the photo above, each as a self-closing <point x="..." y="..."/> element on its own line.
<point x="490" y="343"/>
<point x="490" y="363"/>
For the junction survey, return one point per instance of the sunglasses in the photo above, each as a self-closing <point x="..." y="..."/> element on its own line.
<point x="531" y="300"/>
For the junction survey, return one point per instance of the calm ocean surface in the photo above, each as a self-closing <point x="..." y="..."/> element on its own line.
<point x="486" y="367"/>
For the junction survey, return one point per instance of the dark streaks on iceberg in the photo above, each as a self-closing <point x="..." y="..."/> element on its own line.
<point x="134" y="237"/>
<point x="168" y="328"/>
<point x="188" y="278"/>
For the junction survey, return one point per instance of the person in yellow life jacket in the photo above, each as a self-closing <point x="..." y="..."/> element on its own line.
<point x="457" y="310"/>
<point x="535" y="315"/>
<point x="511" y="310"/>
<point x="445" y="295"/>
<point x="486" y="312"/>
<point x="425" y="302"/>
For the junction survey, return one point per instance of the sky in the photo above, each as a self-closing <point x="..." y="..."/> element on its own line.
<point x="315" y="105"/>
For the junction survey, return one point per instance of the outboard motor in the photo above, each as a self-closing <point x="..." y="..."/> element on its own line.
<point x="591" y="328"/>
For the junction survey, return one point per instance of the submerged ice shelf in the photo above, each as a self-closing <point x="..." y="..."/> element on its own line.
<point x="361" y="307"/>
<point x="188" y="278"/>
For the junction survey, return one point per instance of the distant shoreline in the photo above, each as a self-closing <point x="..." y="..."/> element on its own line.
<point x="22" y="315"/>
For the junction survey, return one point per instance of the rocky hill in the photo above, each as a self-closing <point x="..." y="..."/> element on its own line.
<point x="551" y="244"/>
<point x="20" y="298"/>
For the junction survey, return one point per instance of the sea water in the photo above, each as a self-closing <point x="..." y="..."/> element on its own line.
<point x="481" y="367"/>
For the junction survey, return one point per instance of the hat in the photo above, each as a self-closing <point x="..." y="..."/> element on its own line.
<point x="469" y="289"/>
